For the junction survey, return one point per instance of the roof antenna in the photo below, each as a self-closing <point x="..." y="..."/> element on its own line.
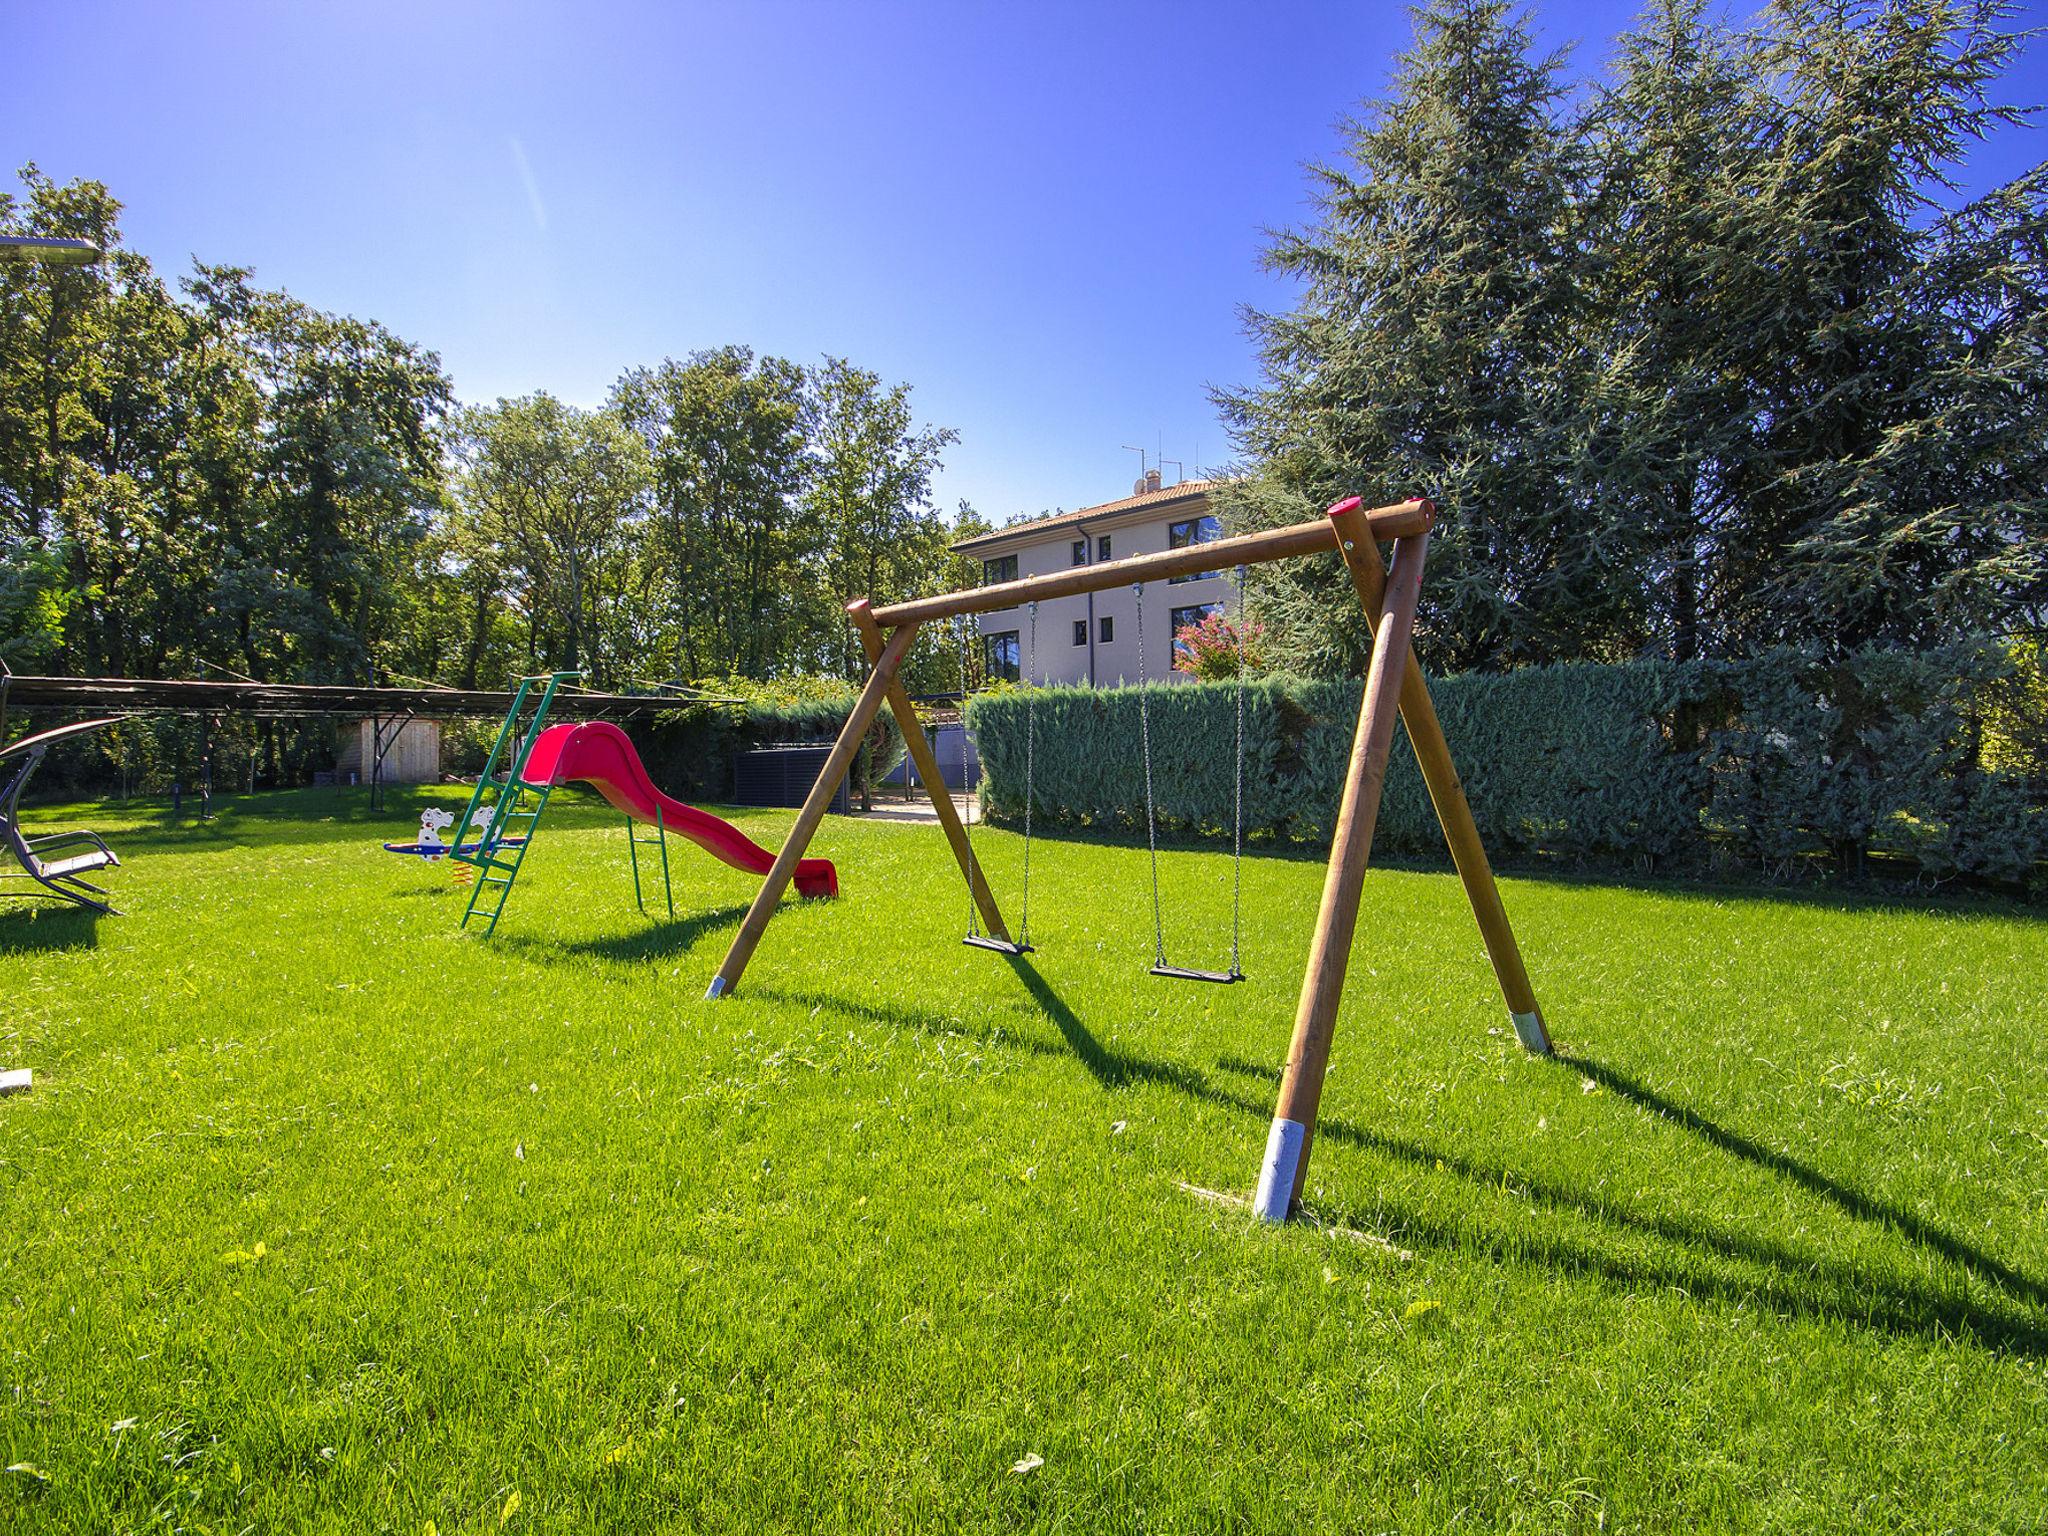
<point x="1139" y="488"/>
<point x="1180" y="469"/>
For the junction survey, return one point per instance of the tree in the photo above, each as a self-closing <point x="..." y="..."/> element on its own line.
<point x="724" y="435"/>
<point x="1671" y="404"/>
<point x="560" y="489"/>
<point x="1432" y="353"/>
<point x="1892" y="347"/>
<point x="869" y="498"/>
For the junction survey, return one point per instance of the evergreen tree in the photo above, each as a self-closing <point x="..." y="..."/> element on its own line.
<point x="1432" y="353"/>
<point x="1671" y="405"/>
<point x="1885" y="342"/>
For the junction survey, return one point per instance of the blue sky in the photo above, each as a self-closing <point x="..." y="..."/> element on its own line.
<point x="1043" y="216"/>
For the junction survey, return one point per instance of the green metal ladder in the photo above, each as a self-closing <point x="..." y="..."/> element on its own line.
<point x="508" y="822"/>
<point x="634" y="843"/>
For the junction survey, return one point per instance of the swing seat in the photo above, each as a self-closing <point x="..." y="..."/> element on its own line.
<point x="1000" y="946"/>
<point x="1182" y="973"/>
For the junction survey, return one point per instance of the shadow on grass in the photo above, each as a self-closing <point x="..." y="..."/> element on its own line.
<point x="661" y="940"/>
<point x="1854" y="1202"/>
<point x="1679" y="885"/>
<point x="1800" y="1283"/>
<point x="43" y="930"/>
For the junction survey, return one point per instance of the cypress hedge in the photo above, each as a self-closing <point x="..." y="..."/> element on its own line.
<point x="1783" y="764"/>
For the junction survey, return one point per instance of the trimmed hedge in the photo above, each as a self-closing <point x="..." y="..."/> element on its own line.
<point x="1773" y="765"/>
<point x="689" y="752"/>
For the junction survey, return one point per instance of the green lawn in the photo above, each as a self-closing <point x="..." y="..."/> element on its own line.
<point x="324" y="1215"/>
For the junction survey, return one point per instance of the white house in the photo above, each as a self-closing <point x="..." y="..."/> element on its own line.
<point x="1093" y="638"/>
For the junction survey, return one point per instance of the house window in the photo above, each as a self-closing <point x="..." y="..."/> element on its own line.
<point x="1195" y="530"/>
<point x="1002" y="656"/>
<point x="1080" y="631"/>
<point x="1183" y="618"/>
<point x="1002" y="568"/>
<point x="1102" y="547"/>
<point x="1080" y="551"/>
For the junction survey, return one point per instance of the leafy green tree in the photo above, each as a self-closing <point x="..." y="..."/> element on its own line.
<point x="562" y="490"/>
<point x="869" y="497"/>
<point x="724" y="432"/>
<point x="1671" y="403"/>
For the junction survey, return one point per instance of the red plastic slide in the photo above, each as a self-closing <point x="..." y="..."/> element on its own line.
<point x="601" y="755"/>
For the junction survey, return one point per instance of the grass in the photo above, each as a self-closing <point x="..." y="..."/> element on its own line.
<point x="325" y="1216"/>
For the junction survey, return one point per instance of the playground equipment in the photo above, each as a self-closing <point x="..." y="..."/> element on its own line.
<point x="81" y="852"/>
<point x="505" y="808"/>
<point x="1394" y="685"/>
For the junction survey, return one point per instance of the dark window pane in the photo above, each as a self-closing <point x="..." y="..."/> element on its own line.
<point x="1102" y="547"/>
<point x="1080" y="631"/>
<point x="1183" y="618"/>
<point x="1080" y="551"/>
<point x="1003" y="656"/>
<point x="1195" y="530"/>
<point x="1002" y="568"/>
<point x="1108" y="626"/>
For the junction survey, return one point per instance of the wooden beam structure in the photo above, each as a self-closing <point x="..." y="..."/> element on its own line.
<point x="1394" y="689"/>
<point x="928" y="770"/>
<point x="1361" y="557"/>
<point x="1399" y="521"/>
<point x="295" y="700"/>
<point x="1329" y="956"/>
<point x="880" y="680"/>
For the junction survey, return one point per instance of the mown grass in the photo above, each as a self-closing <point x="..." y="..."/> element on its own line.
<point x="549" y="1243"/>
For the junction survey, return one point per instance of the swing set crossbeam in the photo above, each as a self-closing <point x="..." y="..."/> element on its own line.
<point x="1402" y="520"/>
<point x="1394" y="687"/>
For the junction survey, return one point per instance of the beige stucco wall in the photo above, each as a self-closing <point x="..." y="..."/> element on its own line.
<point x="1058" y="659"/>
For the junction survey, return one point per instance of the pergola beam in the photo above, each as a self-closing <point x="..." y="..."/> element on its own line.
<point x="287" y="700"/>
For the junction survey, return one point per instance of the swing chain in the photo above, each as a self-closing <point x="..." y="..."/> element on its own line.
<point x="1030" y="780"/>
<point x="1237" y="807"/>
<point x="1145" y="742"/>
<point x="966" y="821"/>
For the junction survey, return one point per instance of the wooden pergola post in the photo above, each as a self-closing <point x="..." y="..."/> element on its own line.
<point x="927" y="765"/>
<point x="1446" y="791"/>
<point x="748" y="939"/>
<point x="1322" y="987"/>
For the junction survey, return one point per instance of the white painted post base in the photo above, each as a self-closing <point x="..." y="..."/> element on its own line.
<point x="1276" y="1175"/>
<point x="1529" y="1030"/>
<point x="17" y="1081"/>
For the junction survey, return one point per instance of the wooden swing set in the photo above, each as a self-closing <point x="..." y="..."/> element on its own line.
<point x="1394" y="685"/>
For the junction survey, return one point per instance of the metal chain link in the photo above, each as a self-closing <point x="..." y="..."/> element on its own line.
<point x="1030" y="773"/>
<point x="967" y="820"/>
<point x="1145" y="738"/>
<point x="1237" y="809"/>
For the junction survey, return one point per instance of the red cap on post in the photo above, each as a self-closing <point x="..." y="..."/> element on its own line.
<point x="1421" y="504"/>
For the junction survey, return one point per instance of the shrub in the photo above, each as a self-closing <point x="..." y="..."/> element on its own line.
<point x="1769" y="763"/>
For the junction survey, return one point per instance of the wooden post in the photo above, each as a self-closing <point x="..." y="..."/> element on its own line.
<point x="928" y="770"/>
<point x="864" y="711"/>
<point x="1322" y="987"/>
<point x="1446" y="792"/>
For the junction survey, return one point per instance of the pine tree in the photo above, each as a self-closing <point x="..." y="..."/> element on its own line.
<point x="1432" y="353"/>
<point x="1887" y="343"/>
<point x="1674" y="139"/>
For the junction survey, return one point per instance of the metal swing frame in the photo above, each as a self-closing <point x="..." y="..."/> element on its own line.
<point x="1394" y="689"/>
